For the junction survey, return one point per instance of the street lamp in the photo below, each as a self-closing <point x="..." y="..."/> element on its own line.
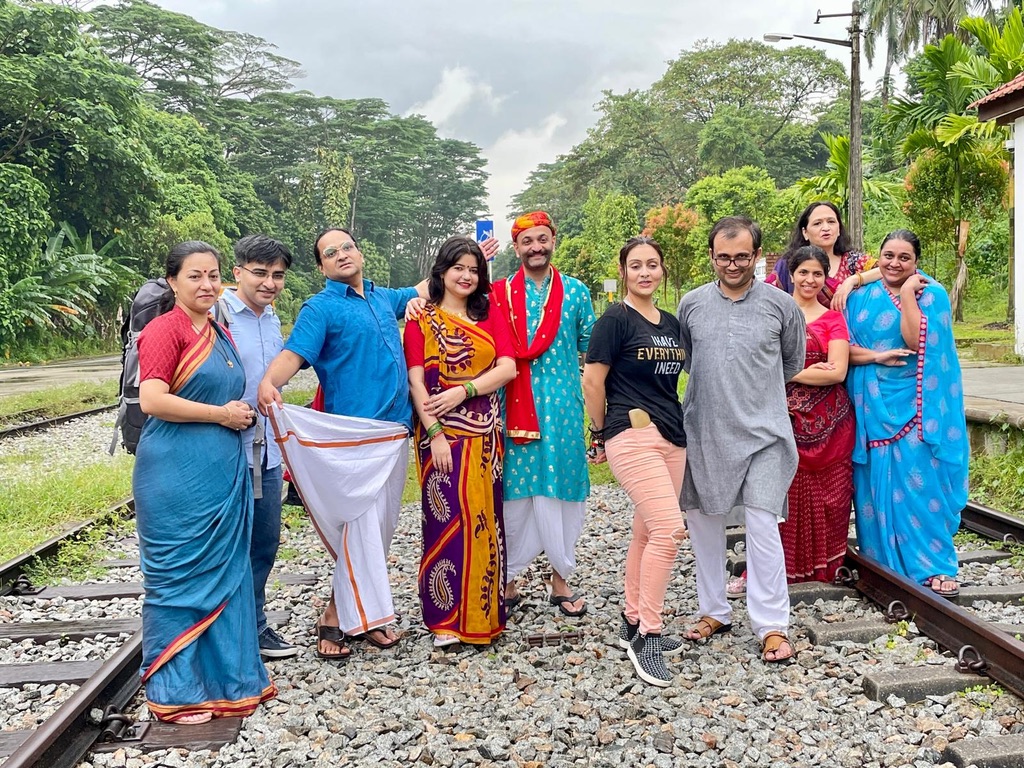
<point x="855" y="180"/>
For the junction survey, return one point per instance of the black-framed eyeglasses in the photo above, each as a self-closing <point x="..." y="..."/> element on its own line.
<point x="262" y="274"/>
<point x="739" y="261"/>
<point x="332" y="250"/>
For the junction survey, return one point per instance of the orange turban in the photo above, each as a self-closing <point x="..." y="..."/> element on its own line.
<point x="528" y="220"/>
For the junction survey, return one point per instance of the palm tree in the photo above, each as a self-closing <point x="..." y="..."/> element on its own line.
<point x="833" y="184"/>
<point x="940" y="121"/>
<point x="904" y="25"/>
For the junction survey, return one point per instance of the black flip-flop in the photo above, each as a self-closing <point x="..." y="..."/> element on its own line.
<point x="372" y="640"/>
<point x="331" y="635"/>
<point x="561" y="600"/>
<point x="511" y="603"/>
<point x="949" y="594"/>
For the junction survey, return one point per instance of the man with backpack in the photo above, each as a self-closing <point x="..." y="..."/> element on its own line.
<point x="260" y="266"/>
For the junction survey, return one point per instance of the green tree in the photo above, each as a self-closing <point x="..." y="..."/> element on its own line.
<point x="74" y="117"/>
<point x="833" y="184"/>
<point x="746" y="192"/>
<point x="671" y="226"/>
<point x="940" y="121"/>
<point x="608" y="222"/>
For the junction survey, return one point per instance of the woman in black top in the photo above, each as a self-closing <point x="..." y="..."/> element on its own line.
<point x="629" y="385"/>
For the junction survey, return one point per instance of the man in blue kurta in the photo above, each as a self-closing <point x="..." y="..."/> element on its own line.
<point x="349" y="334"/>
<point x="260" y="266"/>
<point x="546" y="483"/>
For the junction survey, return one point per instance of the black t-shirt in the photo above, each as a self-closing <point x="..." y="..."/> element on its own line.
<point x="644" y="360"/>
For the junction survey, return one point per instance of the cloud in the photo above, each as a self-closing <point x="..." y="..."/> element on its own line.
<point x="458" y="90"/>
<point x="515" y="150"/>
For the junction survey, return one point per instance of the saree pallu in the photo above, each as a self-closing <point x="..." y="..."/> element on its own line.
<point x="911" y="450"/>
<point x="463" y="567"/>
<point x="193" y="507"/>
<point x="815" y="533"/>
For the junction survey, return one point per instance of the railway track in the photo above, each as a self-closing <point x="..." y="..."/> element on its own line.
<point x="94" y="716"/>
<point x="97" y="715"/>
<point x="53" y="421"/>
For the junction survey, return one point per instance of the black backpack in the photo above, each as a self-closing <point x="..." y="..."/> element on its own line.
<point x="146" y="304"/>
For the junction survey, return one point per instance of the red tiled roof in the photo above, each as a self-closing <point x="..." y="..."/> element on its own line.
<point x="1017" y="84"/>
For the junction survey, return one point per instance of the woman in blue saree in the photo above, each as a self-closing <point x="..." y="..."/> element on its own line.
<point x="193" y="506"/>
<point x="911" y="451"/>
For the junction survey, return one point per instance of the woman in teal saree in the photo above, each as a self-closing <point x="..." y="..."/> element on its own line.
<point x="193" y="505"/>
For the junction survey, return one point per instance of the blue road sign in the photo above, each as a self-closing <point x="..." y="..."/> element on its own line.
<point x="484" y="229"/>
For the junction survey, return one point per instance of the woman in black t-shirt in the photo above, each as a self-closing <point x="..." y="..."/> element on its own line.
<point x="629" y="385"/>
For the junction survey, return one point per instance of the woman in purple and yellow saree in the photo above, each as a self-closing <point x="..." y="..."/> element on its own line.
<point x="193" y="505"/>
<point x="458" y="357"/>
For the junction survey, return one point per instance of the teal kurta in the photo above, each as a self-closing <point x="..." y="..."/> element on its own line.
<point x="556" y="465"/>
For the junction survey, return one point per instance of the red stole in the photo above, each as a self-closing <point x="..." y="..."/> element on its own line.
<point x="509" y="296"/>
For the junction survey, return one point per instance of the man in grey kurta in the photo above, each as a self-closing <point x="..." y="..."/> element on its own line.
<point x="743" y="340"/>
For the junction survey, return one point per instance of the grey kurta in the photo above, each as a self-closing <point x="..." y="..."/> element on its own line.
<point x="739" y="354"/>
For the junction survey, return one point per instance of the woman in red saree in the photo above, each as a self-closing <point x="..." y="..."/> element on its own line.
<point x="459" y="355"/>
<point x="814" y="536"/>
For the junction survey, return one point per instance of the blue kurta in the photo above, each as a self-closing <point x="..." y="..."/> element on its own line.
<point x="911" y="452"/>
<point x="556" y="465"/>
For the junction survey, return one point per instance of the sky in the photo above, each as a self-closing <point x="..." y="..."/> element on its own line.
<point x="518" y="78"/>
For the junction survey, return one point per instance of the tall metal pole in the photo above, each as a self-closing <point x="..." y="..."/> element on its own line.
<point x="855" y="217"/>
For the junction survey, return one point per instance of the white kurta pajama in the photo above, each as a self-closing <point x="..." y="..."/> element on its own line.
<point x="351" y="473"/>
<point x="741" y="452"/>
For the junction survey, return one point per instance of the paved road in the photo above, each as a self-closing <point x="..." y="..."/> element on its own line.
<point x="1004" y="383"/>
<point x="36" y="377"/>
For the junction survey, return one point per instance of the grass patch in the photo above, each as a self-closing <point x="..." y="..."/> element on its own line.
<point x="38" y="508"/>
<point x="298" y="396"/>
<point x="78" y="560"/>
<point x="57" y="401"/>
<point x="998" y="480"/>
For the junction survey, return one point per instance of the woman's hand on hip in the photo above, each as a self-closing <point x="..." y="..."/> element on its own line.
<point x="893" y="357"/>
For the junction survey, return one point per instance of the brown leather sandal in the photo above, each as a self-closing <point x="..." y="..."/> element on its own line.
<point x="706" y="628"/>
<point x="771" y="643"/>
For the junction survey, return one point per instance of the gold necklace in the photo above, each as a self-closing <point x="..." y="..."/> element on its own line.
<point x="455" y="312"/>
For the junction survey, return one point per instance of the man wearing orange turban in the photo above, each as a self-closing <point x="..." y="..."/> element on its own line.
<point x="545" y="470"/>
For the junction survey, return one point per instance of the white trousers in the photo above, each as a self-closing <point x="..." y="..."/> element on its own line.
<point x="541" y="524"/>
<point x="767" y="592"/>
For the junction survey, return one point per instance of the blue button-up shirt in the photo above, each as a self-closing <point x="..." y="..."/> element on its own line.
<point x="353" y="344"/>
<point x="258" y="339"/>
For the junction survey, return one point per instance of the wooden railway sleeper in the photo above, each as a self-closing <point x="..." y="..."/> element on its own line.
<point x="978" y="665"/>
<point x="117" y="727"/>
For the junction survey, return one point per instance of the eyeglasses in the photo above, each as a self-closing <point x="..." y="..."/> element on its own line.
<point x="262" y="274"/>
<point x="332" y="250"/>
<point x="743" y="260"/>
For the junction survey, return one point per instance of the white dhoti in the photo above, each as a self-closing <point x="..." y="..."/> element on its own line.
<point x="350" y="473"/>
<point x="541" y="524"/>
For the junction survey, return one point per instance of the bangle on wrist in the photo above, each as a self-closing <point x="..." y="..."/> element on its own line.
<point x="470" y="388"/>
<point x="860" y="279"/>
<point x="434" y="430"/>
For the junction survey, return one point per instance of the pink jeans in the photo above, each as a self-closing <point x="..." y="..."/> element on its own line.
<point x="650" y="469"/>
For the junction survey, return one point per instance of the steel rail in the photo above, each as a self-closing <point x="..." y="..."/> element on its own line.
<point x="53" y="421"/>
<point x="64" y="738"/>
<point x="13" y="569"/>
<point x="991" y="523"/>
<point x="946" y="623"/>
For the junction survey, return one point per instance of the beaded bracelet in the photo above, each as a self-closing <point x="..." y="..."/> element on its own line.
<point x="470" y="388"/>
<point x="434" y="430"/>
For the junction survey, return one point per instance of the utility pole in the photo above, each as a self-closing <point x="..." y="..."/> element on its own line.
<point x="855" y="183"/>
